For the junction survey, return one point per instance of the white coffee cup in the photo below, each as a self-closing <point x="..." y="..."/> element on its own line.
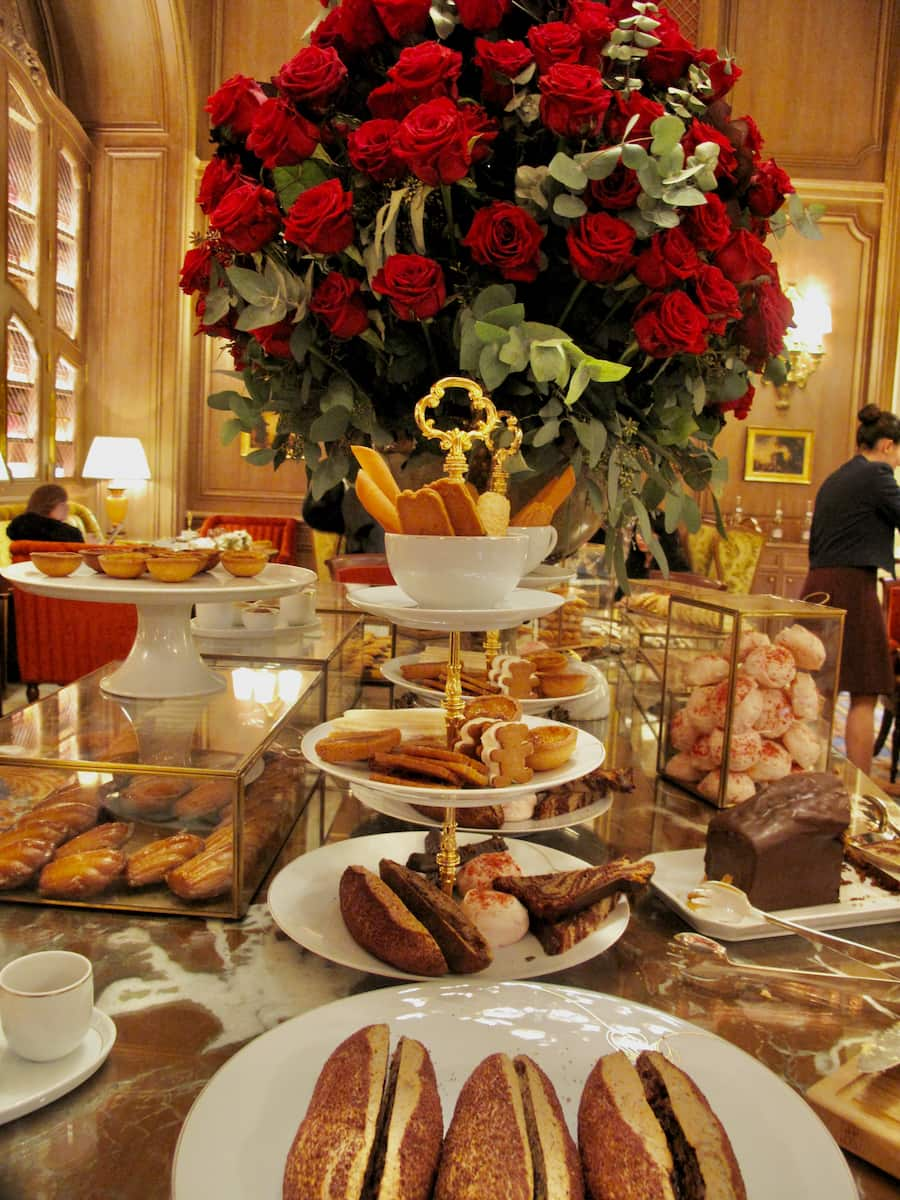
<point x="217" y="616"/>
<point x="541" y="540"/>
<point x="299" y="608"/>
<point x="46" y="1003"/>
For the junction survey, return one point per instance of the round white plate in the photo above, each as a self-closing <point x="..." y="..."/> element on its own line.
<point x="589" y="754"/>
<point x="303" y="901"/>
<point x="25" y="1086"/>
<point x="392" y="604"/>
<point x="547" y="577"/>
<point x="236" y="1137"/>
<point x="392" y="671"/>
<point x="391" y="807"/>
<point x="242" y="633"/>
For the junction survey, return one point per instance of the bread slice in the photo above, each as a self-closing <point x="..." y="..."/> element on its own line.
<point x="557" y="1168"/>
<point x="553" y="896"/>
<point x="330" y="1154"/>
<point x="623" y="1148"/>
<point x="408" y="1141"/>
<point x="705" y="1165"/>
<point x="486" y="1155"/>
<point x="380" y="922"/>
<point x="462" y="944"/>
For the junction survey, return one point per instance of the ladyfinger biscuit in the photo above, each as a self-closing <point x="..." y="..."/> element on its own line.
<point x="424" y="512"/>
<point x="460" y="509"/>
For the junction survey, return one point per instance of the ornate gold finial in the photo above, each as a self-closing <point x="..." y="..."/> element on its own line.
<point x="500" y="454"/>
<point x="456" y="442"/>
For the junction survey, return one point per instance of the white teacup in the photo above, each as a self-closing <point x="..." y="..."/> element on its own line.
<point x="217" y="616"/>
<point x="541" y="540"/>
<point x="299" y="608"/>
<point x="456" y="572"/>
<point x="46" y="1002"/>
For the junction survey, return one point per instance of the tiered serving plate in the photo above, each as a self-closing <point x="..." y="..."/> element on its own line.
<point x="303" y="901"/>
<point x="391" y="603"/>
<point x="589" y="754"/>
<point x="392" y="670"/>
<point x="236" y="1137"/>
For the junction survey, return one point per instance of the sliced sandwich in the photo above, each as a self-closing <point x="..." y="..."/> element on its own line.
<point x="372" y="1131"/>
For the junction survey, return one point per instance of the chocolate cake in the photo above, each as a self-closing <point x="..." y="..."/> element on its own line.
<point x="783" y="847"/>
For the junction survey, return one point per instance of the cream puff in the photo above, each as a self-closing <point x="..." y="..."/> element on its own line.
<point x="805" y="699"/>
<point x="774" y="762"/>
<point x="744" y="749"/>
<point x="682" y="731"/>
<point x="706" y="669"/>
<point x="681" y="767"/>
<point x="802" y="745"/>
<point x="777" y="715"/>
<point x="738" y="787"/>
<point x="808" y="649"/>
<point x="501" y="919"/>
<point x="771" y="666"/>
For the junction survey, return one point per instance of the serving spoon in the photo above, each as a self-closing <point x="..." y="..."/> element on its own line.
<point x="729" y="905"/>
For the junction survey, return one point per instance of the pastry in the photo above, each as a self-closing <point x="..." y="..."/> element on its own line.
<point x="776" y="715"/>
<point x="568" y="683"/>
<point x="152" y="795"/>
<point x="520" y="809"/>
<point x="774" y="762"/>
<point x="706" y="669"/>
<point x="744" y="749"/>
<point x="557" y="1168"/>
<point x="807" y="649"/>
<point x="21" y="857"/>
<point x="204" y="800"/>
<point x="501" y="919"/>
<point x="554" y="745"/>
<point x="460" y="507"/>
<point x="112" y="835"/>
<point x="340" y="747"/>
<point x="751" y="639"/>
<point x="556" y="937"/>
<point x="513" y="675"/>
<point x="554" y="896"/>
<point x="506" y="750"/>
<point x="482" y="816"/>
<point x="462" y="945"/>
<point x="483" y="869"/>
<point x="205" y="876"/>
<point x="153" y="862"/>
<point x="72" y="816"/>
<point x="494" y="708"/>
<point x="700" y="754"/>
<point x="805" y="701"/>
<point x="81" y="876"/>
<point x="381" y="923"/>
<point x="803" y="745"/>
<point x="682" y="731"/>
<point x="681" y="767"/>
<point x="771" y="666"/>
<point x="738" y="787"/>
<point x="423" y="513"/>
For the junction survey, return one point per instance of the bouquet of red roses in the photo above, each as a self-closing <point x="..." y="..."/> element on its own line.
<point x="551" y="196"/>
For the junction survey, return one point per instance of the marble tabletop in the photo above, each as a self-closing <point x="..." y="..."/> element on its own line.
<point x="185" y="994"/>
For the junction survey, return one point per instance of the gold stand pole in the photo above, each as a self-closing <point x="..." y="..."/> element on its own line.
<point x="497" y="484"/>
<point x="491" y="647"/>
<point x="448" y="854"/>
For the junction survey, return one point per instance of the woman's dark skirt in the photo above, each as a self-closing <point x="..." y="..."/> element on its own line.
<point x="865" y="661"/>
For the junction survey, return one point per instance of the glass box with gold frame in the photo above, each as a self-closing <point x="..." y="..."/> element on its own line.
<point x="174" y="806"/>
<point x="755" y="703"/>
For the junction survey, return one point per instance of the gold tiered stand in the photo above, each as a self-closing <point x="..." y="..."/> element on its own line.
<point x="500" y="455"/>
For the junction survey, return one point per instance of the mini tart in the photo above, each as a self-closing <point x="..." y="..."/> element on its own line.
<point x="554" y="745"/>
<point x="571" y="683"/>
<point x="494" y="708"/>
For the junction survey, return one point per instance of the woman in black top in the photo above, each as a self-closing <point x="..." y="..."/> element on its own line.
<point x="44" y="520"/>
<point x="857" y="510"/>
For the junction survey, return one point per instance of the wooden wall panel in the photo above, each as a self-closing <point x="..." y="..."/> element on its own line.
<point x="816" y="79"/>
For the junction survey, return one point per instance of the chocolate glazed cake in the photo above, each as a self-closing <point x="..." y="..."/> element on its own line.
<point x="783" y="847"/>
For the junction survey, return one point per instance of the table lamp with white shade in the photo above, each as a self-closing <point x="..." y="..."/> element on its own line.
<point x="4" y="471"/>
<point x="120" y="461"/>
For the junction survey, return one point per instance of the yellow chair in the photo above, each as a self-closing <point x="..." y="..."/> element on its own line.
<point x="79" y="515"/>
<point x="325" y="546"/>
<point x="700" y="548"/>
<point x="737" y="557"/>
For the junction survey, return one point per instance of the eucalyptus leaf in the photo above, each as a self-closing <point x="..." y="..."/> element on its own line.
<point x="690" y="513"/>
<point x="258" y="316"/>
<point x="549" y="363"/>
<point x="261" y="457"/>
<point x="470" y="346"/>
<point x="592" y="435"/>
<point x="498" y="295"/>
<point x="492" y="371"/>
<point x="547" y="432"/>
<point x="330" y="425"/>
<point x="217" y="305"/>
<point x="490" y="333"/>
<point x="338" y="394"/>
<point x="568" y="172"/>
<point x="672" y="511"/>
<point x="684" y="197"/>
<point x="328" y="473"/>
<point x="223" y="400"/>
<point x="552" y="408"/>
<point x="515" y="351"/>
<point x="667" y="133"/>
<point x="600" y="164"/>
<point x="579" y="380"/>
<point x="634" y="156"/>
<point x="507" y="316"/>
<point x="565" y="205"/>
<point x="229" y="431"/>
<point x="301" y="340"/>
<point x="648" y="176"/>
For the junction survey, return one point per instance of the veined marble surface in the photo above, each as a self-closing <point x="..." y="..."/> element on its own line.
<point x="187" y="993"/>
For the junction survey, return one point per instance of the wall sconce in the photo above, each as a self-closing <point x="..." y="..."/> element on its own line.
<point x="803" y="343"/>
<point x="119" y="460"/>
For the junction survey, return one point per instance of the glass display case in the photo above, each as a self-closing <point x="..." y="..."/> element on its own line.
<point x="176" y="806"/>
<point x="750" y="700"/>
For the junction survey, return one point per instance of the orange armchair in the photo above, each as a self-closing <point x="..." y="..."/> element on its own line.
<point x="280" y="531"/>
<point x="360" y="568"/>
<point x="58" y="641"/>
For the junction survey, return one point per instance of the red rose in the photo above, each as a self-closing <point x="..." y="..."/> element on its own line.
<point x="723" y="73"/>
<point x="622" y="109"/>
<point x="595" y="24"/>
<point x="195" y="269"/>
<point x="764" y="323"/>
<point x="668" y="62"/>
<point x="717" y="297"/>
<point x="321" y="219"/>
<point x="371" y="146"/>
<point x="414" y="285"/>
<point x="361" y="28"/>
<point x="768" y="188"/>
<point x="699" y="132"/>
<point x="554" y="42"/>
<point x="313" y="76"/>
<point x="340" y="306"/>
<point x="482" y="15"/>
<point x="480" y="127"/>
<point x="573" y="99"/>
<point x="426" y="72"/>
<point x="220" y="175"/>
<point x="506" y="237"/>
<point x="247" y="217"/>
<point x="500" y="62"/>
<point x="280" y="136"/>
<point x="707" y="224"/>
<point x="235" y="104"/>
<point x="669" y="257"/>
<point x="275" y="339"/>
<point x="747" y="134"/>
<point x="329" y="32"/>
<point x="433" y="142"/>
<point x="668" y="323"/>
<point x="618" y="190"/>
<point x="403" y="17"/>
<point x="600" y="247"/>
<point x="740" y="407"/>
<point x="744" y="258"/>
<point x="388" y="103"/>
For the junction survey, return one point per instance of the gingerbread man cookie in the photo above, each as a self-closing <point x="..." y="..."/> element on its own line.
<point x="504" y="748"/>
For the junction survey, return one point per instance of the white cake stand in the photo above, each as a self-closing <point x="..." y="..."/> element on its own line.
<point x="164" y="661"/>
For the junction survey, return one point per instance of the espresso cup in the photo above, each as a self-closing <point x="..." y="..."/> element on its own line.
<point x="46" y="1003"/>
<point x="299" y="608"/>
<point x="541" y="540"/>
<point x="216" y="615"/>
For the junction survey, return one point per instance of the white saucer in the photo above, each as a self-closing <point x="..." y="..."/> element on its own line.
<point x="547" y="577"/>
<point x="241" y="632"/>
<point x="393" y="604"/>
<point x="26" y="1086"/>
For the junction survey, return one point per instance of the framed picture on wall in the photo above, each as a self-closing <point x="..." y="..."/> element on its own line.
<point x="261" y="436"/>
<point x="779" y="455"/>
